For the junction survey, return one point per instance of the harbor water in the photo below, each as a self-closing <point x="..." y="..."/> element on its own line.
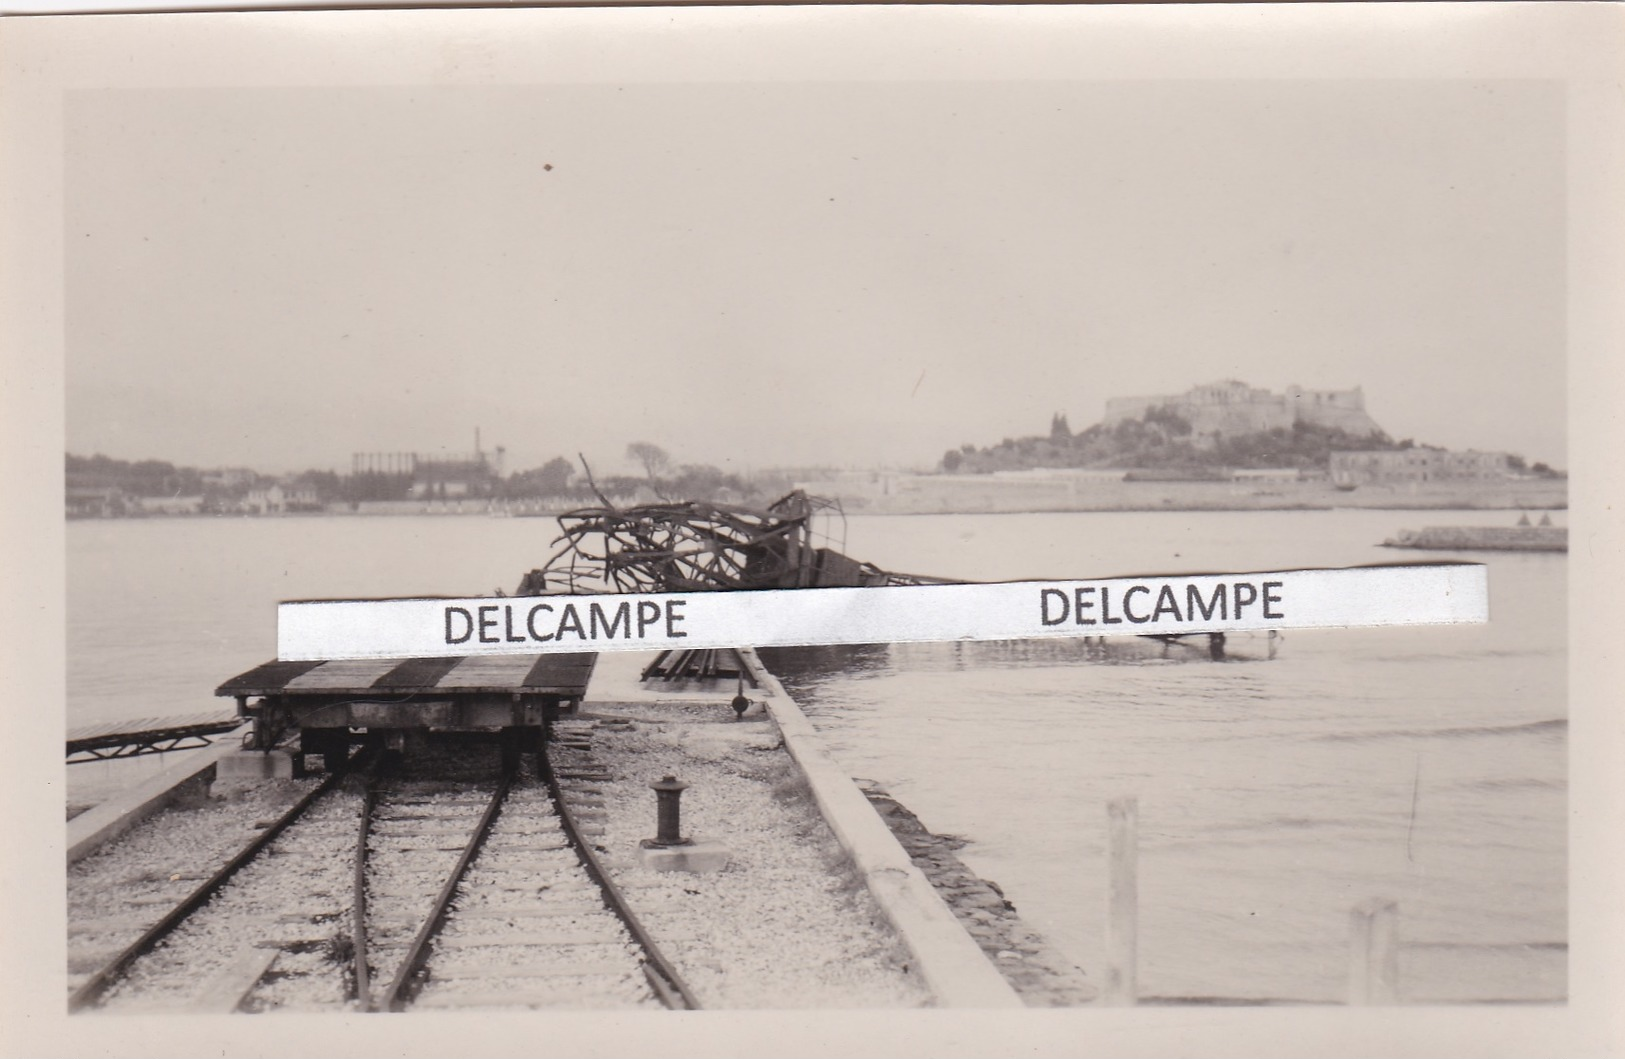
<point x="1427" y="765"/>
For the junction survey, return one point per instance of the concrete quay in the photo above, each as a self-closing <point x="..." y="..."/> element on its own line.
<point x="950" y="962"/>
<point x="97" y="826"/>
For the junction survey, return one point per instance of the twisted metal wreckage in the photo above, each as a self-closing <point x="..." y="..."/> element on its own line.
<point x="696" y="546"/>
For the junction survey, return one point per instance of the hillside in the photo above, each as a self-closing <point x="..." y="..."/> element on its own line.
<point x="1162" y="439"/>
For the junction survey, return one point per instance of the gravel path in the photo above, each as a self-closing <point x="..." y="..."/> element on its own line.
<point x="787" y="924"/>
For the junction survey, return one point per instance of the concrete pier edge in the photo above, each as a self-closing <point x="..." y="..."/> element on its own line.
<point x="953" y="966"/>
<point x="96" y="827"/>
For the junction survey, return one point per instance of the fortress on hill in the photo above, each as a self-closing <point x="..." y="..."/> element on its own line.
<point x="1231" y="408"/>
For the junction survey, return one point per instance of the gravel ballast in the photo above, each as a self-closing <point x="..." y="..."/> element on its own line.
<point x="123" y="888"/>
<point x="787" y="924"/>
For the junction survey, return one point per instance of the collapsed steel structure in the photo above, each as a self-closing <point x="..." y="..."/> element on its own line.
<point x="699" y="546"/>
<point x="695" y="546"/>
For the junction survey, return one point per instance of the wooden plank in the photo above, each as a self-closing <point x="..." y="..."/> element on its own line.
<point x="346" y="674"/>
<point x="154" y="731"/>
<point x="125" y="924"/>
<point x="572" y="969"/>
<point x="454" y="1000"/>
<point x="143" y="725"/>
<point x="265" y="679"/>
<point x="509" y="939"/>
<point x="1122" y="903"/>
<point x="561" y="670"/>
<point x="88" y="961"/>
<point x="382" y="830"/>
<point x="230" y="987"/>
<point x="534" y="912"/>
<point x="419" y="674"/>
<point x="492" y="671"/>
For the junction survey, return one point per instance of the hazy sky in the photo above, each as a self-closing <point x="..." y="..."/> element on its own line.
<point x="794" y="273"/>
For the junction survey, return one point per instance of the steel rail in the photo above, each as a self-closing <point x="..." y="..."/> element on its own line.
<point x="410" y="978"/>
<point x="91" y="992"/>
<point x="362" y="985"/>
<point x="663" y="978"/>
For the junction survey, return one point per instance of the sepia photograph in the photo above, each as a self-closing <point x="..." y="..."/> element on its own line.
<point x="511" y="307"/>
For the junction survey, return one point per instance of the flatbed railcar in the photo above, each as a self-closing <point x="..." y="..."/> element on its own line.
<point x="333" y="703"/>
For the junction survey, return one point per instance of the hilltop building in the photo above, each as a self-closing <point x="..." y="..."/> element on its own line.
<point x="1231" y="408"/>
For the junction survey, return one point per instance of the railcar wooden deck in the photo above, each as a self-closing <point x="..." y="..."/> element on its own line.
<point x="463" y="692"/>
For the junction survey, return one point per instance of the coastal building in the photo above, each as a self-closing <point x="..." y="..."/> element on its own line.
<point x="1421" y="464"/>
<point x="95" y="501"/>
<point x="172" y="505"/>
<point x="455" y="477"/>
<point x="1266" y="474"/>
<point x="281" y="497"/>
<point x="858" y="485"/>
<point x="1038" y="488"/>
<point x="229" y="479"/>
<point x="1231" y="408"/>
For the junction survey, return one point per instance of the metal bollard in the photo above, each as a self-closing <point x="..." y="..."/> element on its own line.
<point x="668" y="792"/>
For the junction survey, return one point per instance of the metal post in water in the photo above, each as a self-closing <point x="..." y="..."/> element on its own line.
<point x="1374" y="952"/>
<point x="1122" y="903"/>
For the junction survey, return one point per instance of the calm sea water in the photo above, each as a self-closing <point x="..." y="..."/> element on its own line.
<point x="1426" y="765"/>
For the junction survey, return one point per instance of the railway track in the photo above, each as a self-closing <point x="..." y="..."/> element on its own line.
<point x="442" y="882"/>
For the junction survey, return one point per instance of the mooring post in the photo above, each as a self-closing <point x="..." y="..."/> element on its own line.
<point x="1122" y="903"/>
<point x="668" y="812"/>
<point x="1374" y="952"/>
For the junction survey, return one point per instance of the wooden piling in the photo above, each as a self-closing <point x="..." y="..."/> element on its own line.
<point x="1122" y="903"/>
<point x="1374" y="952"/>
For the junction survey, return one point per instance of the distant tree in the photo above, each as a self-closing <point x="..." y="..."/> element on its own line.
<point x="656" y="462"/>
<point x="1515" y="462"/>
<point x="554" y="476"/>
<point x="1169" y="419"/>
<point x="550" y="479"/>
<point x="951" y="460"/>
<point x="326" y="483"/>
<point x="701" y="481"/>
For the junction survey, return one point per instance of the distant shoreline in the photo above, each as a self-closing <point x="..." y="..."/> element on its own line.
<point x="996" y="497"/>
<point x="974" y="495"/>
